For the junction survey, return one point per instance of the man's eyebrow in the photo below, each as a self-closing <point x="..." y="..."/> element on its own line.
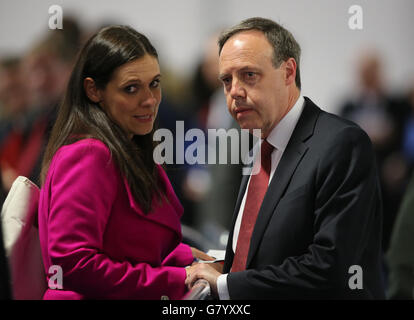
<point x="222" y="76"/>
<point x="245" y="68"/>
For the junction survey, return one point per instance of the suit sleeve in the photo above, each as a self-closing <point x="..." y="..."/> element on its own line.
<point x="346" y="200"/>
<point x="83" y="188"/>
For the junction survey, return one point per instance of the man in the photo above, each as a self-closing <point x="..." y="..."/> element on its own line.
<point x="315" y="227"/>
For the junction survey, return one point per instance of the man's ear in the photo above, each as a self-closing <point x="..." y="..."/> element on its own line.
<point x="93" y="93"/>
<point x="290" y="71"/>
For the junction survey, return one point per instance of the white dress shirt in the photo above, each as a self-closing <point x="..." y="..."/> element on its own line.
<point x="278" y="138"/>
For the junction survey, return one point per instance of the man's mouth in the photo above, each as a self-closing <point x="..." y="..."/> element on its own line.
<point x="242" y="110"/>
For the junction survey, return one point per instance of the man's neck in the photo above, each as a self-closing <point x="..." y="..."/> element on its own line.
<point x="294" y="94"/>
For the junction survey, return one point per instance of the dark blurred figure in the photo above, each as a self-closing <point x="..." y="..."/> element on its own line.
<point x="13" y="95"/>
<point x="48" y="66"/>
<point x="400" y="256"/>
<point x="14" y="122"/>
<point x="408" y="134"/>
<point x="205" y="81"/>
<point x="382" y="117"/>
<point x="213" y="186"/>
<point x="168" y="115"/>
<point x="190" y="181"/>
<point x="5" y="292"/>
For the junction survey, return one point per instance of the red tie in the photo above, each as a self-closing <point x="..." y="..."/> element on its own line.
<point x="255" y="194"/>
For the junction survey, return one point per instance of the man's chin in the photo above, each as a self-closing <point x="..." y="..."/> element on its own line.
<point x="253" y="129"/>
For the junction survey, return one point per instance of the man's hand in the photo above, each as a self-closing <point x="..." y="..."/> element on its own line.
<point x="203" y="271"/>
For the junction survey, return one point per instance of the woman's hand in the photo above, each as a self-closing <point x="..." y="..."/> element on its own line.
<point x="200" y="255"/>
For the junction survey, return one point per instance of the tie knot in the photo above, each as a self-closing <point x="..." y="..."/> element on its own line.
<point x="265" y="149"/>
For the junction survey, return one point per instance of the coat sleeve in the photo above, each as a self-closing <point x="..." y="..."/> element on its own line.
<point x="84" y="183"/>
<point x="180" y="256"/>
<point x="345" y="204"/>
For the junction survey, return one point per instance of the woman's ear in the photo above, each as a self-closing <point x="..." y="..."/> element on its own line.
<point x="91" y="90"/>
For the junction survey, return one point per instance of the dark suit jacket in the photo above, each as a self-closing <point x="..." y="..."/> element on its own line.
<point x="322" y="214"/>
<point x="400" y="256"/>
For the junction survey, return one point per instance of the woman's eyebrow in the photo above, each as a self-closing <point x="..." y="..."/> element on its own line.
<point x="136" y="79"/>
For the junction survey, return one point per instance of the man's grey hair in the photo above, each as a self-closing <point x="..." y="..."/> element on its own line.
<point x="283" y="43"/>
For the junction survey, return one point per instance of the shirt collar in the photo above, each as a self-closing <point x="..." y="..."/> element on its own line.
<point x="281" y="133"/>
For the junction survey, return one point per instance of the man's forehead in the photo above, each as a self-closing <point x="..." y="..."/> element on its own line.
<point x="246" y="38"/>
<point x="247" y="47"/>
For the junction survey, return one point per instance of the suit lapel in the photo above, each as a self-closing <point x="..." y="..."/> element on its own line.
<point x="242" y="190"/>
<point x="293" y="154"/>
<point x="229" y="249"/>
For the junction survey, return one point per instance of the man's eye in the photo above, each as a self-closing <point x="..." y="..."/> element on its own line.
<point x="250" y="74"/>
<point x="131" y="89"/>
<point x="226" y="81"/>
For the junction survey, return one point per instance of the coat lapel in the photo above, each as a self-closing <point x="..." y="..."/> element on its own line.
<point x="293" y="154"/>
<point x="167" y="214"/>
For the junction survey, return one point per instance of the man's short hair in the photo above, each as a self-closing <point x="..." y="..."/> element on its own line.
<point x="283" y="43"/>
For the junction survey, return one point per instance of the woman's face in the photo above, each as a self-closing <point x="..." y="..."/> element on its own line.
<point x="132" y="96"/>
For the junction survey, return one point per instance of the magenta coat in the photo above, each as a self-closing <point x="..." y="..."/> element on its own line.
<point x="90" y="226"/>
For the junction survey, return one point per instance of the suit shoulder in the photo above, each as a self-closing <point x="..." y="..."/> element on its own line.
<point x="334" y="127"/>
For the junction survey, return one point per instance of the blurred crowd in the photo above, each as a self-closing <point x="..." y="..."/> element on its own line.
<point x="33" y="83"/>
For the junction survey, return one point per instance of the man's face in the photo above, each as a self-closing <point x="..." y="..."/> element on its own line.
<point x="256" y="92"/>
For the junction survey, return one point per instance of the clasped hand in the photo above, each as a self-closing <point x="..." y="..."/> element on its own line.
<point x="200" y="270"/>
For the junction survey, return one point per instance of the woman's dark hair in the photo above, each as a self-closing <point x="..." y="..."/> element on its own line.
<point x="79" y="118"/>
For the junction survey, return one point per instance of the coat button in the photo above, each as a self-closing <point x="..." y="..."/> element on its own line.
<point x="165" y="298"/>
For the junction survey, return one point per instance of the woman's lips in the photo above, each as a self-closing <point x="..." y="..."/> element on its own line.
<point x="144" y="118"/>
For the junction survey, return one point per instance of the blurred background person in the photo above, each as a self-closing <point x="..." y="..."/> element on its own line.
<point x="400" y="256"/>
<point x="30" y="90"/>
<point x="408" y="128"/>
<point x="218" y="182"/>
<point x="382" y="116"/>
<point x="47" y="66"/>
<point x="5" y="292"/>
<point x="14" y="122"/>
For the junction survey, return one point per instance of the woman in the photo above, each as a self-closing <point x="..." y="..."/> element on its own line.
<point x="108" y="215"/>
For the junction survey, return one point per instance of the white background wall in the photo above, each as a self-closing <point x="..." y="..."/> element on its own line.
<point x="178" y="28"/>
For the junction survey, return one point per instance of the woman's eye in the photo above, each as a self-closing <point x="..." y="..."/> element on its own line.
<point x="130" y="89"/>
<point x="156" y="83"/>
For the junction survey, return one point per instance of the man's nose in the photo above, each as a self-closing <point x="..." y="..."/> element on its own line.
<point x="237" y="91"/>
